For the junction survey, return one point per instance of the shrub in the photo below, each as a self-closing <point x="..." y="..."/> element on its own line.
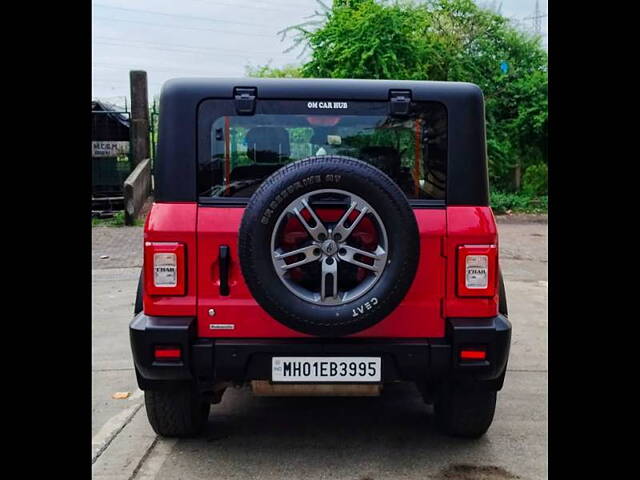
<point x="117" y="220"/>
<point x="534" y="180"/>
<point x="447" y="40"/>
<point x="503" y="202"/>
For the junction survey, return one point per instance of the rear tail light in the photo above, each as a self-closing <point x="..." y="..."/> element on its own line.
<point x="164" y="268"/>
<point x="477" y="266"/>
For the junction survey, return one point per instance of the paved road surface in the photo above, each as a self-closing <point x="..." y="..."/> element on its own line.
<point x="389" y="437"/>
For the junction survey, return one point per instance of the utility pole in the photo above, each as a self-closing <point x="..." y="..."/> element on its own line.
<point x="537" y="19"/>
<point x="139" y="116"/>
<point x="537" y="24"/>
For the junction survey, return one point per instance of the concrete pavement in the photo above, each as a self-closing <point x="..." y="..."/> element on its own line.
<point x="391" y="436"/>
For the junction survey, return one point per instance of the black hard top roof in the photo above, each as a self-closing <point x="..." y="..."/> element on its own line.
<point x="304" y="88"/>
<point x="175" y="168"/>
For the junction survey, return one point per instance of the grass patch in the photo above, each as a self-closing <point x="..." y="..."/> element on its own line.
<point x="116" y="221"/>
<point x="503" y="202"/>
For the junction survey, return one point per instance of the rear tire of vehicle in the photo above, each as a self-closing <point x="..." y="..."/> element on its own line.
<point x="464" y="411"/>
<point x="137" y="308"/>
<point x="176" y="413"/>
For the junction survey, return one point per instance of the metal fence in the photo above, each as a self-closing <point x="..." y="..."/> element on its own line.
<point x="111" y="161"/>
<point x="111" y="157"/>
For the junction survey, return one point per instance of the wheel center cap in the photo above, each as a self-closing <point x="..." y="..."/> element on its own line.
<point x="329" y="247"/>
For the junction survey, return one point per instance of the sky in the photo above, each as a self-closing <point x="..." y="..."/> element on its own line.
<point x="211" y="38"/>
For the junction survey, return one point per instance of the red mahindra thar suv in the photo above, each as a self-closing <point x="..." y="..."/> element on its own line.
<point x="320" y="237"/>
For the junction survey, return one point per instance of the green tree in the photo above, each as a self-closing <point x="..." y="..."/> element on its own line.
<point x="365" y="39"/>
<point x="267" y="71"/>
<point x="451" y="40"/>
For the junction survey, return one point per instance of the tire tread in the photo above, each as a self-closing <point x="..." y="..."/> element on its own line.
<point x="465" y="412"/>
<point x="175" y="413"/>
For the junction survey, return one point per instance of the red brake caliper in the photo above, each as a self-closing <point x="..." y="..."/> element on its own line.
<point x="294" y="235"/>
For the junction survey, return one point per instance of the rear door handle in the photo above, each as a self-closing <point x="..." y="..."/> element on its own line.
<point x="223" y="265"/>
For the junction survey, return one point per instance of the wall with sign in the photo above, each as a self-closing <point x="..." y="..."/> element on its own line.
<point x="109" y="149"/>
<point x="110" y="146"/>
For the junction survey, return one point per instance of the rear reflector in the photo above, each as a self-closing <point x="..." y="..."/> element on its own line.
<point x="473" y="355"/>
<point x="167" y="353"/>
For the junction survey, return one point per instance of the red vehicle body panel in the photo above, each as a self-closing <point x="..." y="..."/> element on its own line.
<point x="468" y="226"/>
<point x="421" y="314"/>
<point x="174" y="222"/>
<point x="417" y="316"/>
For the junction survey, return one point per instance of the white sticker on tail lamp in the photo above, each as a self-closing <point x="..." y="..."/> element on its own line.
<point x="165" y="270"/>
<point x="477" y="271"/>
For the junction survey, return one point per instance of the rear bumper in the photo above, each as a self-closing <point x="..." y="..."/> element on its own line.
<point x="208" y="361"/>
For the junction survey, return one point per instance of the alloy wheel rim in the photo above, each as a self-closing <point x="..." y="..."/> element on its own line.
<point x="333" y="246"/>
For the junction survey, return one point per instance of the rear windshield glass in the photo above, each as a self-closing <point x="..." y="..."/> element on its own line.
<point x="245" y="150"/>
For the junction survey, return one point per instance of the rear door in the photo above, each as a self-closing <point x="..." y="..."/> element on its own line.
<point x="237" y="152"/>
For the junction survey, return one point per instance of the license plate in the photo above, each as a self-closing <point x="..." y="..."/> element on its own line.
<point x="326" y="369"/>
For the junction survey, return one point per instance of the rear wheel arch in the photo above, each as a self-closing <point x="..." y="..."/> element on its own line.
<point x="138" y="306"/>
<point x="502" y="295"/>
